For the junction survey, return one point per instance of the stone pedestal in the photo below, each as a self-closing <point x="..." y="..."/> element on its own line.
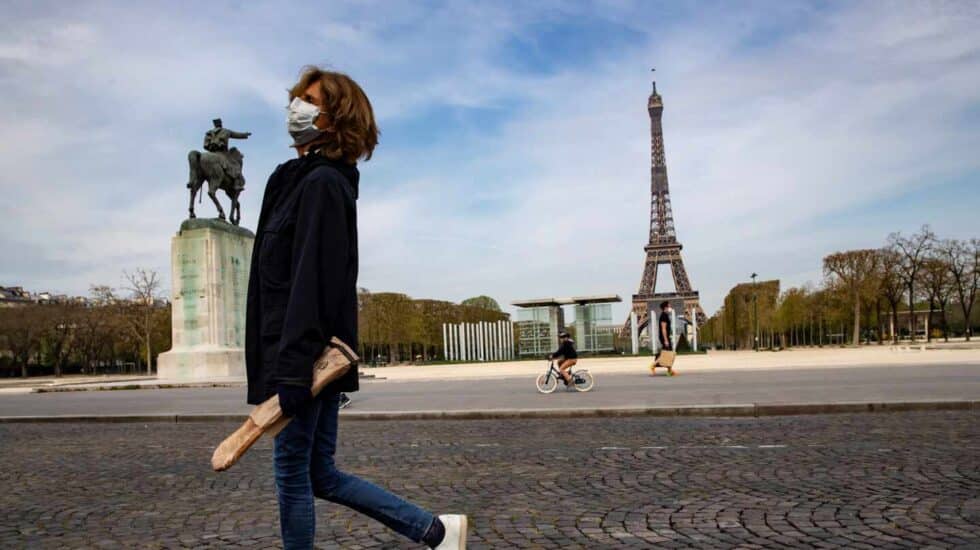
<point x="209" y="271"/>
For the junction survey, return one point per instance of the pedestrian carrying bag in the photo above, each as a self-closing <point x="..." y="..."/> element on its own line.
<point x="666" y="359"/>
<point x="267" y="419"/>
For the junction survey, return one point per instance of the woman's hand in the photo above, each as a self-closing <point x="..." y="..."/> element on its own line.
<point x="293" y="399"/>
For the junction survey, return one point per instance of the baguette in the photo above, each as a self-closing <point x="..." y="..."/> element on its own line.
<point x="267" y="419"/>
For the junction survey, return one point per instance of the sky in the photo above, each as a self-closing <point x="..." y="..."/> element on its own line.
<point x="514" y="155"/>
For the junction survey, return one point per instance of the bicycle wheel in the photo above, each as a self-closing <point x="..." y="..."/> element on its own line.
<point x="583" y="380"/>
<point x="546" y="383"/>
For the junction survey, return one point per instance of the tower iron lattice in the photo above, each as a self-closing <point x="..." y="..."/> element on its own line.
<point x="663" y="247"/>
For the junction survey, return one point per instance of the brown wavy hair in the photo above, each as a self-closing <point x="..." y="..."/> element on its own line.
<point x="351" y="131"/>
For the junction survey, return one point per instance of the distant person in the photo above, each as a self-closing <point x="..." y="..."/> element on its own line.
<point x="302" y="292"/>
<point x="665" y="331"/>
<point x="566" y="356"/>
<point x="665" y="335"/>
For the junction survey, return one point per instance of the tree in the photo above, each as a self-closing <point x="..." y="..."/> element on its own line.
<point x="484" y="302"/>
<point x="938" y="280"/>
<point x="21" y="329"/>
<point x="890" y="283"/>
<point x="964" y="266"/>
<point x="711" y="332"/>
<point x="859" y="285"/>
<point x="821" y="303"/>
<point x="161" y="327"/>
<point x="390" y="323"/>
<point x="912" y="251"/>
<point x="743" y="298"/>
<point x="94" y="327"/>
<point x="835" y="310"/>
<point x="92" y="335"/>
<point x="144" y="288"/>
<point x="432" y="315"/>
<point x="389" y="316"/>
<point x="102" y="295"/>
<point x="791" y="314"/>
<point x="60" y="323"/>
<point x="125" y="338"/>
<point x="854" y="269"/>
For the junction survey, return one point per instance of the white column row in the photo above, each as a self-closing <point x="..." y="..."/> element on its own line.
<point x="634" y="333"/>
<point x="694" y="328"/>
<point x="483" y="341"/>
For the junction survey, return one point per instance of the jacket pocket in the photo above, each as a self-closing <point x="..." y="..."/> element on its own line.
<point x="274" y="261"/>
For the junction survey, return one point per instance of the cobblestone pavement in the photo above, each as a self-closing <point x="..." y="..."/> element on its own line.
<point x="908" y="480"/>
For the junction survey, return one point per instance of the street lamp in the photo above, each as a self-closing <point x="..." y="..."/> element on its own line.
<point x="755" y="307"/>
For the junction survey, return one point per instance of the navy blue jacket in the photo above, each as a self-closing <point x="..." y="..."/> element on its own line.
<point x="302" y="287"/>
<point x="566" y="350"/>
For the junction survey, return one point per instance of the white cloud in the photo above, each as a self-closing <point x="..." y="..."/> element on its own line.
<point x="761" y="147"/>
<point x="835" y="112"/>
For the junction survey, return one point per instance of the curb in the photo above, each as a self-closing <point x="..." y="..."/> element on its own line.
<point x="128" y="387"/>
<point x="155" y="386"/>
<point x="744" y="410"/>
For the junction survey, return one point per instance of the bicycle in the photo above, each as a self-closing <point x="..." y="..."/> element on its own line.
<point x="582" y="380"/>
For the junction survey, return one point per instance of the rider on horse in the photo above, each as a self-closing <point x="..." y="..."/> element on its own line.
<point x="220" y="166"/>
<point x="216" y="141"/>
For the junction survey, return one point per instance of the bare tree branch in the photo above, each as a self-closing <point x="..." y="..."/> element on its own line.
<point x="912" y="250"/>
<point x="144" y="289"/>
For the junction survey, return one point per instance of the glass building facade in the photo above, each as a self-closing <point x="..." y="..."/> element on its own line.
<point x="540" y="320"/>
<point x="594" y="327"/>
<point x="537" y="329"/>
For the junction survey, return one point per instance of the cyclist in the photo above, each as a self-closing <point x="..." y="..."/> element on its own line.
<point x="566" y="355"/>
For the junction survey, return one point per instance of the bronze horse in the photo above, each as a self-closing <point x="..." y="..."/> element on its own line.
<point x="222" y="170"/>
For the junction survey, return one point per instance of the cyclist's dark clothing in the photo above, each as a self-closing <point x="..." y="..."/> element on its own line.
<point x="665" y="318"/>
<point x="566" y="350"/>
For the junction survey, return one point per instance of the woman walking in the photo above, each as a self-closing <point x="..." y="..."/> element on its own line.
<point x="302" y="291"/>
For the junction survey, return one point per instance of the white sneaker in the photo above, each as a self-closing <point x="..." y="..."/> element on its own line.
<point x="455" y="538"/>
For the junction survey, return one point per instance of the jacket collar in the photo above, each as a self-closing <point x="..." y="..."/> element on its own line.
<point x="291" y="172"/>
<point x="349" y="171"/>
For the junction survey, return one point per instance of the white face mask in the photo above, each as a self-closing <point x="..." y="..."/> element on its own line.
<point x="300" y="119"/>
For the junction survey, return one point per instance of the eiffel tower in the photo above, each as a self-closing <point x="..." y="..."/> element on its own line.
<point x="663" y="248"/>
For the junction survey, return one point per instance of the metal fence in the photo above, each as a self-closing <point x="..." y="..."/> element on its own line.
<point x="483" y="341"/>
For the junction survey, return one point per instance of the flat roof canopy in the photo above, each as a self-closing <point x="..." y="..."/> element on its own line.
<point x="581" y="300"/>
<point x="538" y="302"/>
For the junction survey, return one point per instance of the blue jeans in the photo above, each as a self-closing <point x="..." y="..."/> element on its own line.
<point x="304" y="468"/>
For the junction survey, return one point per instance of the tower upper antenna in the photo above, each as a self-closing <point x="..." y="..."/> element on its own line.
<point x="654" y="82"/>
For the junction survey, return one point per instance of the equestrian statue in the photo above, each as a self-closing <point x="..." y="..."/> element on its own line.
<point x="221" y="167"/>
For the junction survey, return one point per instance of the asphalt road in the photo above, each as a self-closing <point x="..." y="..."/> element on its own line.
<point x="822" y="385"/>
<point x="902" y="480"/>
